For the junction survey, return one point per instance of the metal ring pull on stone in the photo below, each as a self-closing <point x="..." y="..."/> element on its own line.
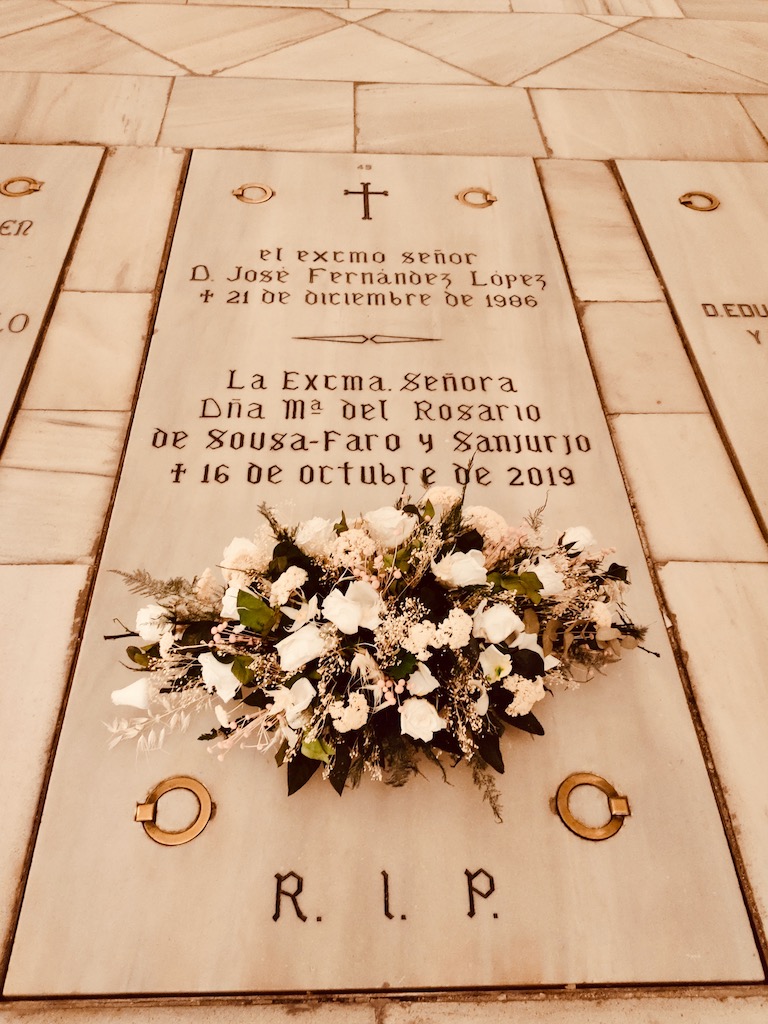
<point x="266" y="193"/>
<point x="617" y="805"/>
<point x="32" y="185"/>
<point x="689" y="200"/>
<point x="146" y="812"/>
<point x="487" y="198"/>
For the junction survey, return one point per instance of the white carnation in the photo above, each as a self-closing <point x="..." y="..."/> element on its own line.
<point x="528" y="692"/>
<point x="291" y="580"/>
<point x="489" y="524"/>
<point x="442" y="498"/>
<point x="352" y="715"/>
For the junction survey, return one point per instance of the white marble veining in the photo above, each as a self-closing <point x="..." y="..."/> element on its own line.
<point x="612" y="8"/>
<point x="111" y="109"/>
<point x="604" y="255"/>
<point x="455" y="119"/>
<point x="66" y="442"/>
<point x="623" y="61"/>
<point x="732" y="10"/>
<point x="122" y="242"/>
<point x="353" y="54"/>
<point x="500" y="48"/>
<point x="639" y="358"/>
<point x="738" y="45"/>
<point x="30" y="595"/>
<point x="687" y="514"/>
<point x="757" y="108"/>
<point x="18" y="15"/>
<point x="242" y="112"/>
<point x="187" y="36"/>
<point x="92" y="353"/>
<point x="599" y="125"/>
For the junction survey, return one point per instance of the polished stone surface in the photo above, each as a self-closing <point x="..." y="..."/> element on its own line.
<point x="655" y="80"/>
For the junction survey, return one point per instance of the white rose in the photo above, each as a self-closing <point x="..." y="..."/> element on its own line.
<point x="218" y="677"/>
<point x="389" y="526"/>
<point x="551" y="580"/>
<point x="152" y="623"/>
<point x="495" y="622"/>
<point x="360" y="607"/>
<point x="495" y="664"/>
<point x="460" y="569"/>
<point x="229" y="602"/>
<point x="421" y="681"/>
<point x="315" y="537"/>
<point x="136" y="695"/>
<point x="419" y="719"/>
<point x="300" y="647"/>
<point x="577" y="538"/>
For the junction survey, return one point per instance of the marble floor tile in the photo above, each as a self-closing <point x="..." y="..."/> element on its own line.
<point x="737" y="45"/>
<point x="757" y="108"/>
<point x="356" y="15"/>
<point x="332" y="6"/>
<point x="77" y="45"/>
<point x="92" y="353"/>
<point x="604" y="255"/>
<point x="688" y="514"/>
<point x="623" y="61"/>
<point x="437" y="5"/>
<point x="18" y="15"/>
<point x="209" y="39"/>
<point x="725" y="665"/>
<point x="108" y="109"/>
<point x="120" y="247"/>
<point x="500" y="48"/>
<point x="51" y="517"/>
<point x="240" y="113"/>
<point x="612" y="19"/>
<point x="446" y="119"/>
<point x="639" y="359"/>
<point x="29" y="595"/>
<point x="66" y="442"/>
<point x="86" y="6"/>
<point x="720" y="1007"/>
<point x="618" y="8"/>
<point x="353" y="54"/>
<point x="725" y="10"/>
<point x="663" y="126"/>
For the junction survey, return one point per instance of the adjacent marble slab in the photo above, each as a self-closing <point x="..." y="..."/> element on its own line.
<point x="713" y="264"/>
<point x="322" y="350"/>
<point x="36" y="229"/>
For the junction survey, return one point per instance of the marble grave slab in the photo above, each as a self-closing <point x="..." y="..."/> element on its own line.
<point x="42" y="193"/>
<point x="713" y="260"/>
<point x="353" y="328"/>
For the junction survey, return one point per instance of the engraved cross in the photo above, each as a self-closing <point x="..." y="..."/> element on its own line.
<point x="366" y="194"/>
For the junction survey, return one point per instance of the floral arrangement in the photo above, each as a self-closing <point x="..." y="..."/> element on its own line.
<point x="417" y="629"/>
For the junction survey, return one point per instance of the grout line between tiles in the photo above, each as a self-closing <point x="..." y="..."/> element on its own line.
<point x="94" y="559"/>
<point x="283" y="46"/>
<point x="133" y="42"/>
<point x="712" y="63"/>
<point x="49" y="311"/>
<point x="761" y="941"/>
<point x="537" y="121"/>
<point x="567" y="56"/>
<point x="441" y="60"/>
<point x="165" y="111"/>
<point x="763" y="135"/>
<point x="31" y="28"/>
<point x="700" y="377"/>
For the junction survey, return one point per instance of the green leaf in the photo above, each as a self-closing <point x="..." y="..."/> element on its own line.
<point x="489" y="750"/>
<point x="300" y="771"/>
<point x="527" y="584"/>
<point x="342" y="762"/>
<point x="528" y="723"/>
<point x="241" y="671"/>
<point x="429" y="510"/>
<point x="341" y="526"/>
<point x="253" y="612"/>
<point x="138" y="656"/>
<point x="405" y="665"/>
<point x="617" y="572"/>
<point x="317" y="750"/>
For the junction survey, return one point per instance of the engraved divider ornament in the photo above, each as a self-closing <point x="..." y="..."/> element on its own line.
<point x="701" y="202"/>
<point x="28" y="186"/>
<point x="147" y="812"/>
<point x="618" y="806"/>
